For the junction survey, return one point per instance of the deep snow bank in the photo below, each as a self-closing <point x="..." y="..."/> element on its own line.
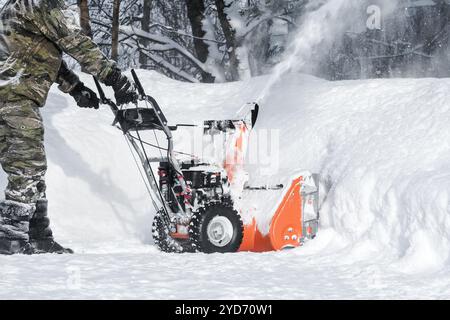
<point x="381" y="146"/>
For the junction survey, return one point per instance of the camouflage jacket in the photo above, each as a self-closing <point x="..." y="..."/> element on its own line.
<point x="33" y="36"/>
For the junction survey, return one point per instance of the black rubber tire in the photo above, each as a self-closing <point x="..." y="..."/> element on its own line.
<point x="163" y="240"/>
<point x="199" y="225"/>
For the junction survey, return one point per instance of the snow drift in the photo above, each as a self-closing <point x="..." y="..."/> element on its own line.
<point x="381" y="147"/>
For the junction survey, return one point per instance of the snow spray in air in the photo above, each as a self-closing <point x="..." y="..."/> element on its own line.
<point x="315" y="34"/>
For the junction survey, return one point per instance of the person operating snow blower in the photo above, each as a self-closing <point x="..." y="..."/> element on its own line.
<point x="33" y="37"/>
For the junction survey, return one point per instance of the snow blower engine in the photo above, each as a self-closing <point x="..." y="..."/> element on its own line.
<point x="197" y="209"/>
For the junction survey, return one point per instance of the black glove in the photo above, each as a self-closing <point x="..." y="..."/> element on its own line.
<point x="85" y="97"/>
<point x="124" y="89"/>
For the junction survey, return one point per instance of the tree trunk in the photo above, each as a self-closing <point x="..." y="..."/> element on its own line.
<point x="196" y="14"/>
<point x="230" y="39"/>
<point x="85" y="18"/>
<point x="145" y="26"/>
<point x="115" y="31"/>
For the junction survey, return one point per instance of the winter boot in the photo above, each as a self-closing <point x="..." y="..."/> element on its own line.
<point x="14" y="227"/>
<point x="41" y="236"/>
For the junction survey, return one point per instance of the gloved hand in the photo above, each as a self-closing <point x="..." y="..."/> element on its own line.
<point x="85" y="97"/>
<point x="124" y="89"/>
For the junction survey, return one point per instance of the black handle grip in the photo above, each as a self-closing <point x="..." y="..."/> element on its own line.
<point x="138" y="83"/>
<point x="103" y="98"/>
<point x="101" y="93"/>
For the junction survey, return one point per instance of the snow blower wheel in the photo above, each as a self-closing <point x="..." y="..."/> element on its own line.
<point x="163" y="240"/>
<point x="217" y="228"/>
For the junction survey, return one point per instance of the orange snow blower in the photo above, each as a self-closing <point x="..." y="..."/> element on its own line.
<point x="206" y="205"/>
<point x="294" y="219"/>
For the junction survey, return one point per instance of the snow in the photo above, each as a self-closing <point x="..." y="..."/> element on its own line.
<point x="419" y="3"/>
<point x="381" y="147"/>
<point x="2" y="3"/>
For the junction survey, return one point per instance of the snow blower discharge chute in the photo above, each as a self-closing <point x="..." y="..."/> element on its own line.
<point x="196" y="202"/>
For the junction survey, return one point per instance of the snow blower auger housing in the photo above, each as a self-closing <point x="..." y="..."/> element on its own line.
<point x="194" y="199"/>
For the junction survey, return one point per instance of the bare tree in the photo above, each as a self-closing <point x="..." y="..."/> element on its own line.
<point x="85" y="18"/>
<point x="230" y="39"/>
<point x="194" y="40"/>
<point x="196" y="14"/>
<point x="115" y="30"/>
<point x="145" y="26"/>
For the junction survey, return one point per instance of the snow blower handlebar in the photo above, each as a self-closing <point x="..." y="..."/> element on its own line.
<point x="103" y="98"/>
<point x="157" y="199"/>
<point x="142" y="97"/>
<point x="167" y="130"/>
<point x="138" y="84"/>
<point x="149" y="118"/>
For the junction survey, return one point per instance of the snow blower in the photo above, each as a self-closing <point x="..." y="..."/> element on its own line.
<point x="195" y="200"/>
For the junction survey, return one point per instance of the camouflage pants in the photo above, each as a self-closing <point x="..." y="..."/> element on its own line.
<point x="22" y="153"/>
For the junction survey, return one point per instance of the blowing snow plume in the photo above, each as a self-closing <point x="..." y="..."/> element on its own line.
<point x="324" y="27"/>
<point x="317" y="31"/>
